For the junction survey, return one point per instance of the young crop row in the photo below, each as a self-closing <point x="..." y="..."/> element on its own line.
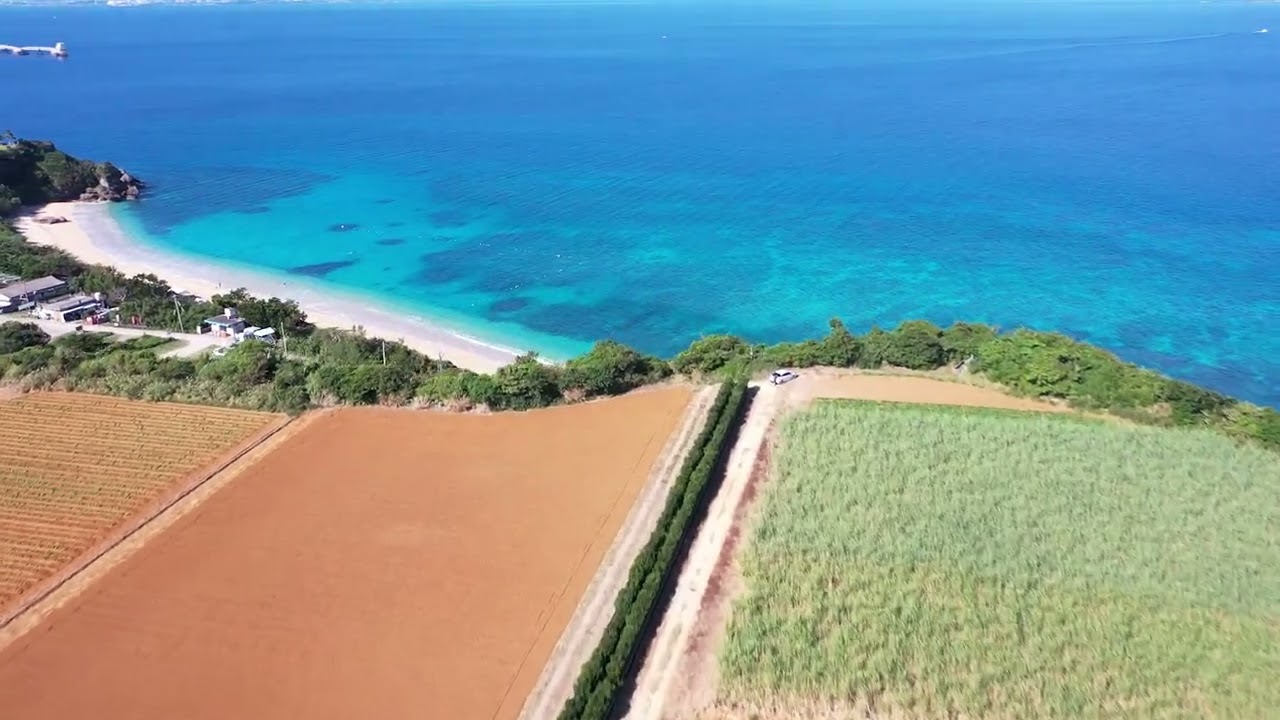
<point x="83" y="492"/>
<point x="99" y="461"/>
<point x="37" y="553"/>
<point x="103" y="413"/>
<point x="98" y="404"/>
<point x="12" y="547"/>
<point x="134" y="410"/>
<point x="83" y="442"/>
<point x="195" y="429"/>
<point x="93" y="463"/>
<point x="159" y="437"/>
<point x="23" y="523"/>
<point x="193" y="425"/>
<point x="79" y="495"/>
<point x="66" y="488"/>
<point x="106" y="457"/>
<point x="635" y="611"/>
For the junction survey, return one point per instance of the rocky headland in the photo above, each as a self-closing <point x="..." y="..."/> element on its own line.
<point x="34" y="172"/>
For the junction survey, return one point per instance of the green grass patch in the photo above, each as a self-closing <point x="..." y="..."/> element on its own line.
<point x="945" y="561"/>
<point x="154" y="343"/>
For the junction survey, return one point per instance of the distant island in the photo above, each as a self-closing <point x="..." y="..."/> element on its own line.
<point x="326" y="365"/>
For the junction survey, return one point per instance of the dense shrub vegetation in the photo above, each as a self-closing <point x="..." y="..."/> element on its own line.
<point x="1037" y="566"/>
<point x="635" y="610"/>
<point x="35" y="173"/>
<point x="15" y="336"/>
<point x="1027" y="362"/>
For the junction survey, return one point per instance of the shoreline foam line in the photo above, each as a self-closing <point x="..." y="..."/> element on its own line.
<point x="92" y="235"/>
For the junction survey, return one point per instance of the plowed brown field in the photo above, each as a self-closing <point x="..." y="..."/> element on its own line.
<point x="74" y="469"/>
<point x="379" y="564"/>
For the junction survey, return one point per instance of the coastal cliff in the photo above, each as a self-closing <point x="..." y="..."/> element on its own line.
<point x="35" y="173"/>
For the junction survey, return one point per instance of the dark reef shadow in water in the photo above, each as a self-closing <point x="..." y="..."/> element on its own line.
<point x="384" y="201"/>
<point x="509" y="270"/>
<point x="256" y="210"/>
<point x="320" y="270"/>
<point x="508" y="305"/>
<point x="185" y="201"/>
<point x="391" y="242"/>
<point x="437" y="270"/>
<point x="451" y="218"/>
<point x="395" y="224"/>
<point x="343" y="227"/>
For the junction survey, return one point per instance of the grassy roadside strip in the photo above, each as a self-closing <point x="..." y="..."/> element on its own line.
<point x="635" y="611"/>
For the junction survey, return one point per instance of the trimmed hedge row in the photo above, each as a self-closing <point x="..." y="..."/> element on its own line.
<point x="634" y="614"/>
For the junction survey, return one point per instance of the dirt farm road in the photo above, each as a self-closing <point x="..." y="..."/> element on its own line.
<point x="555" y="685"/>
<point x="661" y="674"/>
<point x="189" y="345"/>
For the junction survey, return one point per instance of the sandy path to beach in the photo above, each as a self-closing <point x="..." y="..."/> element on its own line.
<point x="93" y="236"/>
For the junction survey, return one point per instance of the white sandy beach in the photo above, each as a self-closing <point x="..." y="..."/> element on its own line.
<point x="93" y="236"/>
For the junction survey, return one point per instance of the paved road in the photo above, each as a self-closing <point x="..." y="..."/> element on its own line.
<point x="191" y="344"/>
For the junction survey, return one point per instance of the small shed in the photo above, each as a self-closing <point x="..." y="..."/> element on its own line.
<point x="253" y="332"/>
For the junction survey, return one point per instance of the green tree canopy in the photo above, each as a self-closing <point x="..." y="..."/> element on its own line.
<point x="611" y="368"/>
<point x="15" y="336"/>
<point x="283" y="315"/>
<point x="840" y="348"/>
<point x="526" y="383"/>
<point x="962" y="340"/>
<point x="710" y="353"/>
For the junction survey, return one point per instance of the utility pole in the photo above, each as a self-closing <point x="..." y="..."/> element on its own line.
<point x="384" y="352"/>
<point x="177" y="307"/>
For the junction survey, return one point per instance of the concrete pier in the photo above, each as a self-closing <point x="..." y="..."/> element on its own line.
<point x="58" y="50"/>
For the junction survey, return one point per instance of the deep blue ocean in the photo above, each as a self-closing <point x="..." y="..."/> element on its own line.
<point x="546" y="174"/>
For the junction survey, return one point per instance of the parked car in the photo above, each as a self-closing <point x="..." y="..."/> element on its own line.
<point x="778" y="377"/>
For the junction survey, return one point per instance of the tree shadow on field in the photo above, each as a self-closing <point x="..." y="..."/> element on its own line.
<point x="622" y="701"/>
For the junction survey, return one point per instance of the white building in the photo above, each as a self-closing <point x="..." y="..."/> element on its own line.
<point x="22" y="295"/>
<point x="76" y="307"/>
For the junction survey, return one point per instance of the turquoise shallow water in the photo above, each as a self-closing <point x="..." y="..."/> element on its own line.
<point x="549" y="174"/>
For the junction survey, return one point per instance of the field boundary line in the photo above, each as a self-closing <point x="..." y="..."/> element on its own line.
<point x="595" y="609"/>
<point x="125" y="540"/>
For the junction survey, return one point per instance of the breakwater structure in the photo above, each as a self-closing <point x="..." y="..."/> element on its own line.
<point x="58" y="50"/>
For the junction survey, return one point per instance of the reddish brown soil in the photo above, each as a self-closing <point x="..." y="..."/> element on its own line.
<point x="824" y="383"/>
<point x="379" y="564"/>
